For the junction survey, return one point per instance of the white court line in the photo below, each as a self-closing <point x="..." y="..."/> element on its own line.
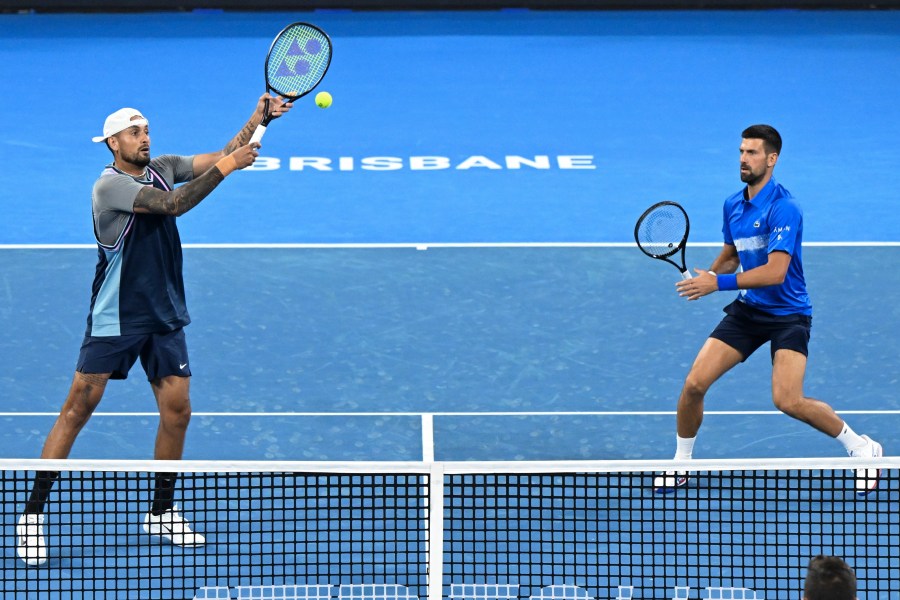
<point x="430" y="415"/>
<point x="427" y="245"/>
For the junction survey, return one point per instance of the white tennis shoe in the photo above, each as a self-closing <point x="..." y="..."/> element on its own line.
<point x="867" y="479"/>
<point x="670" y="481"/>
<point x="172" y="527"/>
<point x="30" y="543"/>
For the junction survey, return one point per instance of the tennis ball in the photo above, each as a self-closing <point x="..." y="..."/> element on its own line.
<point x="323" y="99"/>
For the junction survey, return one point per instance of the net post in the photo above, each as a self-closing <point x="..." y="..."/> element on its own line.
<point x="436" y="532"/>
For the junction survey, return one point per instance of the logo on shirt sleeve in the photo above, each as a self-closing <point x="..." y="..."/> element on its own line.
<point x="779" y="230"/>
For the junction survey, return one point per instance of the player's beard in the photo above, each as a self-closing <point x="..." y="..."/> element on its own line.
<point x="138" y="158"/>
<point x="751" y="178"/>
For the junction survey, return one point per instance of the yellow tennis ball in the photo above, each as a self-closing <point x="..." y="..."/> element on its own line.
<point x="323" y="99"/>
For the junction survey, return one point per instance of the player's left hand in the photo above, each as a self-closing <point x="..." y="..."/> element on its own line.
<point x="698" y="286"/>
<point x="277" y="106"/>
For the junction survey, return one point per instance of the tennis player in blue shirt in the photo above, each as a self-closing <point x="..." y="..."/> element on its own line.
<point x="761" y="260"/>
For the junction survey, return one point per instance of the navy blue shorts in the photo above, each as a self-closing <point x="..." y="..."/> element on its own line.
<point x="745" y="329"/>
<point x="162" y="355"/>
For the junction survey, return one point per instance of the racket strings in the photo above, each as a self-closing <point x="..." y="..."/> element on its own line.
<point x="298" y="60"/>
<point x="662" y="231"/>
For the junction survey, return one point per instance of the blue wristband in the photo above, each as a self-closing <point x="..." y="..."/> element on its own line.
<point x="727" y="282"/>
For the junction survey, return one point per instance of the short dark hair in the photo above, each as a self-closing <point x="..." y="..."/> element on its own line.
<point x="829" y="578"/>
<point x="768" y="134"/>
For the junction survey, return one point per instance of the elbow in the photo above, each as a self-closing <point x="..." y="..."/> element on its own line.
<point x="778" y="278"/>
<point x="169" y="209"/>
<point x="178" y="205"/>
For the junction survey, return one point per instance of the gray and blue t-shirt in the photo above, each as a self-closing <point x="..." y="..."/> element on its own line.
<point x="138" y="285"/>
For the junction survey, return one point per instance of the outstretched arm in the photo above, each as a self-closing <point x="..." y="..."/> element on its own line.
<point x="276" y="106"/>
<point x="184" y="198"/>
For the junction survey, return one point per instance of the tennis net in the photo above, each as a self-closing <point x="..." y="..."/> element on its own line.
<point x="505" y="530"/>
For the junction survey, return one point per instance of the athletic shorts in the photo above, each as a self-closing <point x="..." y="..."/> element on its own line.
<point x="745" y="329"/>
<point x="162" y="355"/>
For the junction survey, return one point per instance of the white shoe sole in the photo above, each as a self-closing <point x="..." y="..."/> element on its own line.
<point x="667" y="484"/>
<point x="176" y="539"/>
<point x="867" y="479"/>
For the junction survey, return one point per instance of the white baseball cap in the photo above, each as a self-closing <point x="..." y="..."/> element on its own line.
<point x="121" y="120"/>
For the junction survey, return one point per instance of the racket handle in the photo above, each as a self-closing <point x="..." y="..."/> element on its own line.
<point x="686" y="275"/>
<point x="258" y="134"/>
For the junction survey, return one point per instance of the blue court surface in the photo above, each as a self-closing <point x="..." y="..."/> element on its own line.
<point x="441" y="265"/>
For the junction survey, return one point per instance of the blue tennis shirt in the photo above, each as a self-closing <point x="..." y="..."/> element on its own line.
<point x="771" y="222"/>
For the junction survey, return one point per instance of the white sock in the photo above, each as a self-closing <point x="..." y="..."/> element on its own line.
<point x="849" y="439"/>
<point x="684" y="447"/>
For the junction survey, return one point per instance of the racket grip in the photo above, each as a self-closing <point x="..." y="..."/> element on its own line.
<point x="258" y="134"/>
<point x="686" y="275"/>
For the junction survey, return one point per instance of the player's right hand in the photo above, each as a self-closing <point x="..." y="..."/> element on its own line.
<point x="246" y="155"/>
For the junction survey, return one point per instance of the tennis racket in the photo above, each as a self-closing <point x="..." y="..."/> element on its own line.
<point x="297" y="61"/>
<point x="662" y="232"/>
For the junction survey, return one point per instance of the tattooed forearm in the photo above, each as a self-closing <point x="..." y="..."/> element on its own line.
<point x="180" y="200"/>
<point x="242" y="138"/>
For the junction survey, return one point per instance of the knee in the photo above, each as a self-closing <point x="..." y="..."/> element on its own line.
<point x="176" y="414"/>
<point x="788" y="404"/>
<point x="80" y="404"/>
<point x="76" y="415"/>
<point x="694" y="388"/>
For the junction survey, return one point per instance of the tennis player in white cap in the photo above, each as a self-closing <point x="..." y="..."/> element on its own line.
<point x="137" y="307"/>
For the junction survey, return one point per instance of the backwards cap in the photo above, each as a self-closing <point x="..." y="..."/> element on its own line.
<point x="119" y="121"/>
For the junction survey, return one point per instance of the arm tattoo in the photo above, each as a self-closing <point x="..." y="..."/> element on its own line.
<point x="242" y="138"/>
<point x="180" y="200"/>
